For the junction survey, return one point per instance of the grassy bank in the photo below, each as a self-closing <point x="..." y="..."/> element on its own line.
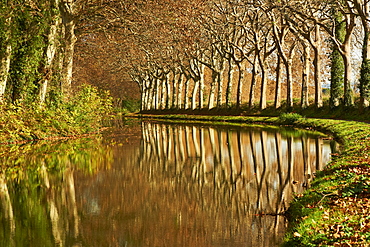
<point x="335" y="210"/>
<point x="83" y="113"/>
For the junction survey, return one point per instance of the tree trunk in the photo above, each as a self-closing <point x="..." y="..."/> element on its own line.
<point x="317" y="70"/>
<point x="186" y="92"/>
<point x="220" y="90"/>
<point x="263" y="92"/>
<point x="149" y="94"/>
<point x="348" y="94"/>
<point x="163" y="95"/>
<point x="194" y="94"/>
<point x="229" y="84"/>
<point x="337" y="65"/>
<point x="289" y="74"/>
<point x="169" y="79"/>
<point x="4" y="70"/>
<point x="239" y="86"/>
<point x="50" y="54"/>
<point x="305" y="75"/>
<point x="153" y="98"/>
<point x="176" y="83"/>
<point x="157" y="97"/>
<point x="365" y="66"/>
<point x="67" y="13"/>
<point x="253" y="82"/>
<point x="143" y="95"/>
<point x="278" y="84"/>
<point x="201" y="86"/>
<point x="211" y="98"/>
<point x="5" y="62"/>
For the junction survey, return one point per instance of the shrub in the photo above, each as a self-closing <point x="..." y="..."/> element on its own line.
<point x="289" y="118"/>
<point x="89" y="107"/>
<point x="82" y="114"/>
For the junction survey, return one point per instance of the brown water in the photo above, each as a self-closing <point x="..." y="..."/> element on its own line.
<point x="156" y="184"/>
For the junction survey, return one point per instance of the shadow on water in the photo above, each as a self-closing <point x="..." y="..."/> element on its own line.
<point x="155" y="184"/>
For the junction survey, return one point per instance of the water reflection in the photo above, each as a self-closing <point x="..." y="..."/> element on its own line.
<point x="235" y="176"/>
<point x="159" y="185"/>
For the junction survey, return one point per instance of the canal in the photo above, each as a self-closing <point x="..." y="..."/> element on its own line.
<point x="158" y="184"/>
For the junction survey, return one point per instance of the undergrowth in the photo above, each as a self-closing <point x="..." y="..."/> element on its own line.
<point x="83" y="113"/>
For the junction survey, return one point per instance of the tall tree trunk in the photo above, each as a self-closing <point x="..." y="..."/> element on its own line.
<point x="154" y="90"/>
<point x="337" y="65"/>
<point x="346" y="54"/>
<point x="149" y="94"/>
<point x="144" y="92"/>
<point x="201" y="86"/>
<point x="239" y="85"/>
<point x="289" y="74"/>
<point x="364" y="11"/>
<point x="194" y="94"/>
<point x="211" y="98"/>
<point x="253" y="82"/>
<point x="181" y="94"/>
<point x="169" y="81"/>
<point x="229" y="84"/>
<point x="220" y="90"/>
<point x="176" y="83"/>
<point x="317" y="78"/>
<point x="5" y="61"/>
<point x="348" y="94"/>
<point x="289" y="94"/>
<point x="68" y="19"/>
<point x="305" y="75"/>
<point x="157" y="97"/>
<point x="50" y="54"/>
<point x="263" y="92"/>
<point x="186" y="92"/>
<point x="4" y="70"/>
<point x="278" y="84"/>
<point x="163" y="96"/>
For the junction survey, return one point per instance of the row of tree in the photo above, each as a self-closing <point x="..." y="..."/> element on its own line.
<point x="190" y="54"/>
<point x="211" y="53"/>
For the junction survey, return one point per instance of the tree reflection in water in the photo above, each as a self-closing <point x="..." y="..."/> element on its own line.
<point x="223" y="182"/>
<point x="176" y="185"/>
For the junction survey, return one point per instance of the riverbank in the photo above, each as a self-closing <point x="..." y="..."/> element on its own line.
<point x="335" y="210"/>
<point x="81" y="114"/>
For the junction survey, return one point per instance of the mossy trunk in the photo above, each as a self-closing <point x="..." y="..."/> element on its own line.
<point x="365" y="68"/>
<point x="337" y="63"/>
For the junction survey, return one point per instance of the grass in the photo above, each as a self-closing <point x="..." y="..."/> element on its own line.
<point x="335" y="210"/>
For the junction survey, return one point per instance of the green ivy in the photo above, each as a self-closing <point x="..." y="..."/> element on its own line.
<point x="337" y="64"/>
<point x="365" y="79"/>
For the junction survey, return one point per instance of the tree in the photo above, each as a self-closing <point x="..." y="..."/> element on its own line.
<point x="68" y="12"/>
<point x="362" y="9"/>
<point x="5" y="47"/>
<point x="337" y="65"/>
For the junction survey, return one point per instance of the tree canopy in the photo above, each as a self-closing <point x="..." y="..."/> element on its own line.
<point x="190" y="54"/>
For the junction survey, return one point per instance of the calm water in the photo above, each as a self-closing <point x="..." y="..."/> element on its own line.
<point x="155" y="184"/>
